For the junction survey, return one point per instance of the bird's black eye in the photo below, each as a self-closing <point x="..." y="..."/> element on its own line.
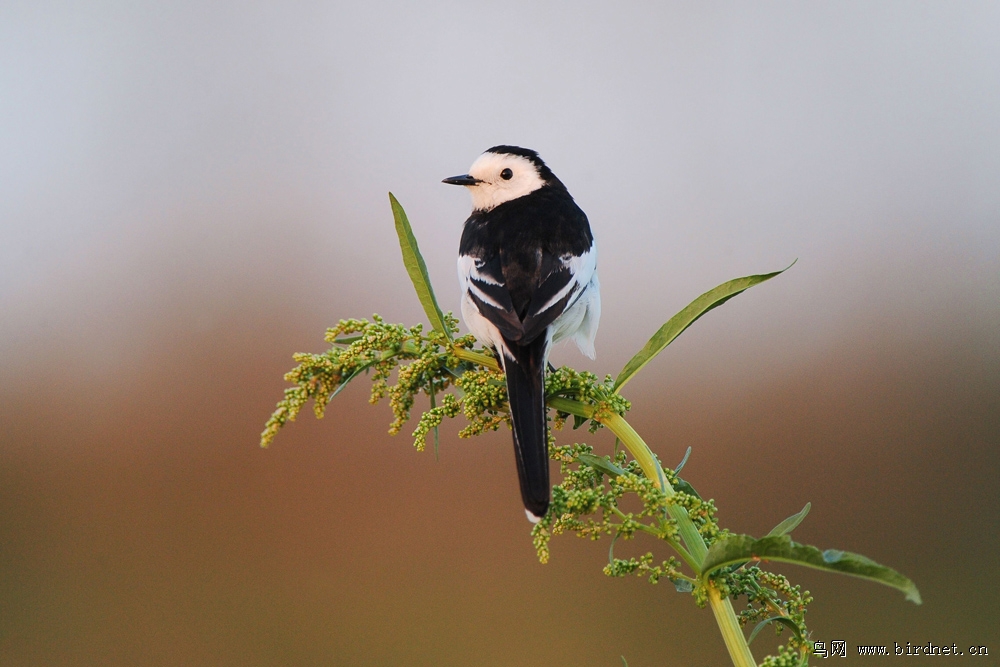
<point x="506" y="174"/>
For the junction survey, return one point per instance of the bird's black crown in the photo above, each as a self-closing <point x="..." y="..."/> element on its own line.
<point x="543" y="170"/>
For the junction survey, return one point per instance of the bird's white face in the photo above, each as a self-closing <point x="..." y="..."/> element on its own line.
<point x="502" y="177"/>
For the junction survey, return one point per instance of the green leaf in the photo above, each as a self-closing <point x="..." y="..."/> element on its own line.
<point x="437" y="435"/>
<point x="601" y="463"/>
<point x="415" y="266"/>
<point x="681" y="485"/>
<point x="682" y="585"/>
<point x="357" y="371"/>
<point x="680" y="466"/>
<point x="791" y="523"/>
<point x="737" y="549"/>
<point x="348" y="340"/>
<point x="685" y="487"/>
<point x="682" y="320"/>
<point x="784" y="620"/>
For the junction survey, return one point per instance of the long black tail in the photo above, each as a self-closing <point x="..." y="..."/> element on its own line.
<point x="526" y="392"/>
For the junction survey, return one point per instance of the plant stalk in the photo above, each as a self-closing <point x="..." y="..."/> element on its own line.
<point x="476" y="358"/>
<point x="732" y="634"/>
<point x="651" y="467"/>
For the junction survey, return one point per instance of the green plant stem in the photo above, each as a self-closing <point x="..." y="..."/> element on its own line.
<point x="640" y="450"/>
<point x="732" y="634"/>
<point x="476" y="358"/>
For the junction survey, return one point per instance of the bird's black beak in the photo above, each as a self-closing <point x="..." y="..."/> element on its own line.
<point x="464" y="179"/>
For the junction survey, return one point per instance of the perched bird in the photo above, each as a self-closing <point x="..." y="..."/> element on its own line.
<point x="527" y="265"/>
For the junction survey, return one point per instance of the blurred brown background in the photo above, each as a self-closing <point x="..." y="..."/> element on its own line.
<point x="191" y="193"/>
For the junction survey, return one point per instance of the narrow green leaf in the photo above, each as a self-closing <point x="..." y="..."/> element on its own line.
<point x="685" y="487"/>
<point x="737" y="549"/>
<point x="678" y="323"/>
<point x="791" y="523"/>
<point x="358" y="371"/>
<point x="348" y="340"/>
<point x="437" y="436"/>
<point x="680" y="466"/>
<point x="784" y="620"/>
<point x="601" y="463"/>
<point x="415" y="266"/>
<point x="682" y="485"/>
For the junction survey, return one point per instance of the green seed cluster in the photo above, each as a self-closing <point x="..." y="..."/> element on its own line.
<point x="587" y="502"/>
<point x="376" y="348"/>
<point x="643" y="567"/>
<point x="433" y="418"/>
<point x="581" y="504"/>
<point x="586" y="388"/>
<point x="770" y="595"/>
<point x="702" y="513"/>
<point x="484" y="402"/>
<point x="785" y="658"/>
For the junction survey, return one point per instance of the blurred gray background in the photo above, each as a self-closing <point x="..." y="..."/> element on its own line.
<point x="191" y="192"/>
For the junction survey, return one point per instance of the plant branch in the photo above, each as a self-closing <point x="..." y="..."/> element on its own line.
<point x="476" y="358"/>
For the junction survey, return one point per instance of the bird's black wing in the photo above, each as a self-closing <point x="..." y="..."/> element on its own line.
<point x="555" y="291"/>
<point x="488" y="289"/>
<point x="522" y="298"/>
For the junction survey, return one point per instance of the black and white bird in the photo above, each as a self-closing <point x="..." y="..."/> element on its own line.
<point x="527" y="266"/>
